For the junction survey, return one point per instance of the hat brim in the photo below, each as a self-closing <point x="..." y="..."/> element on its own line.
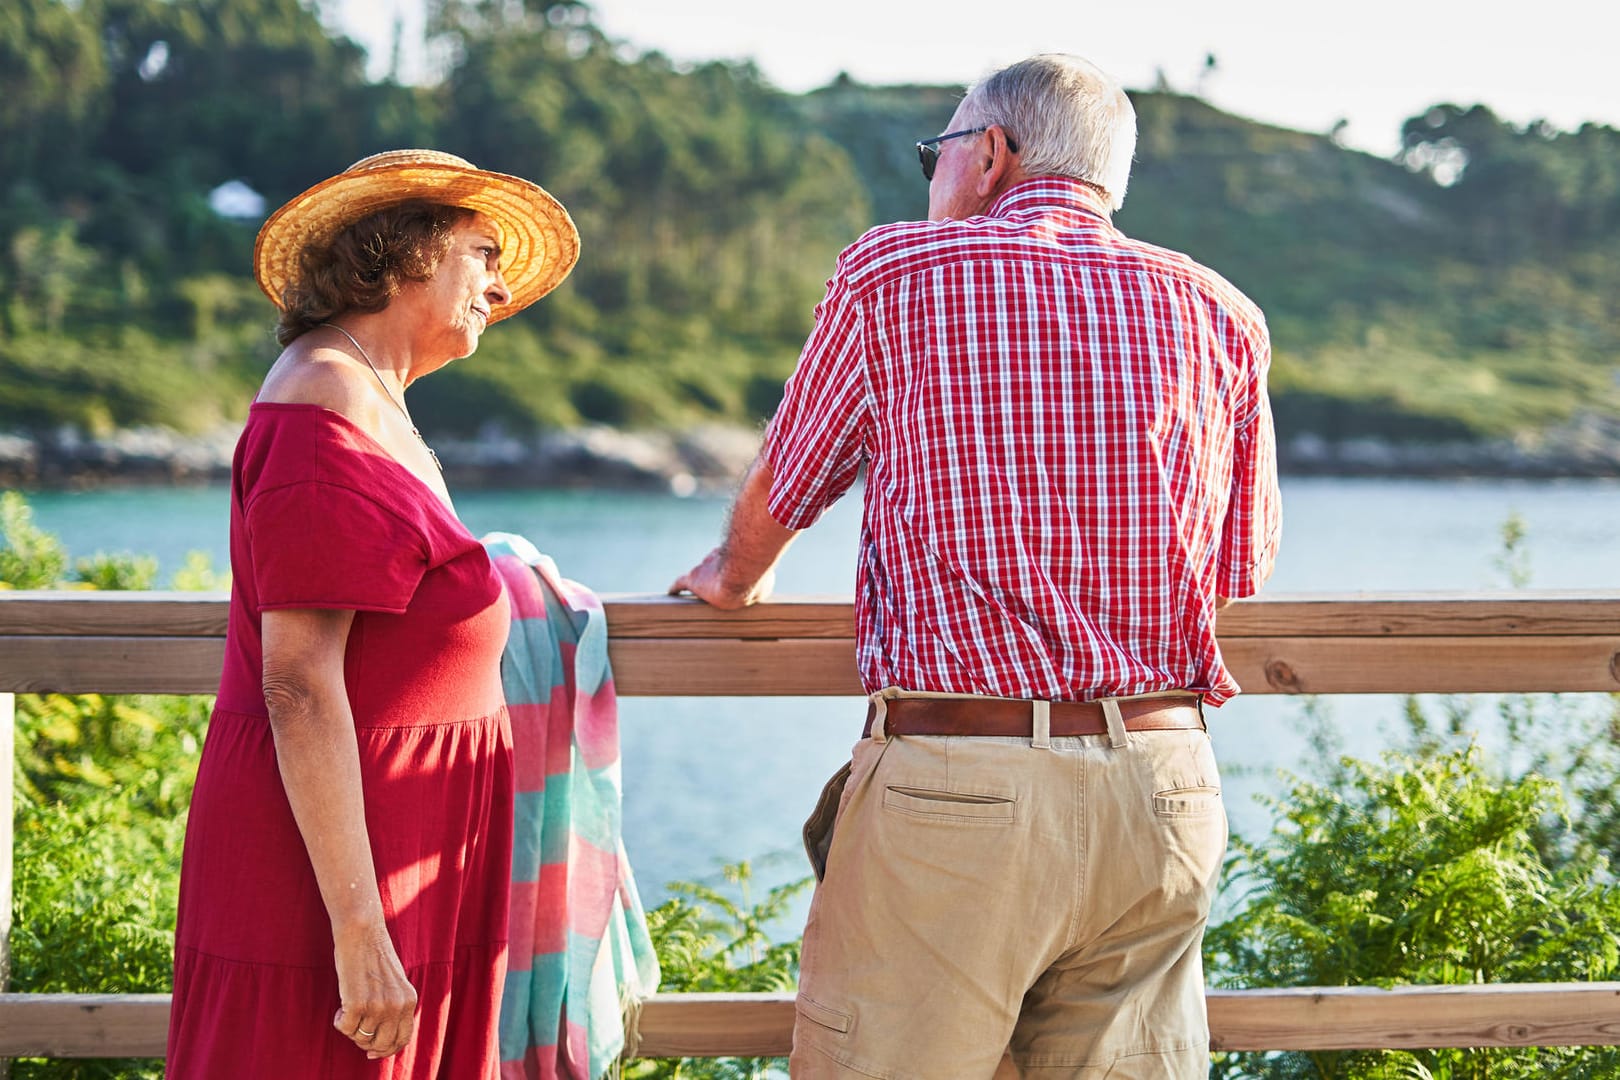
<point x="539" y="243"/>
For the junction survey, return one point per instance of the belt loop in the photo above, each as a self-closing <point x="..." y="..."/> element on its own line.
<point x="1043" y="725"/>
<point x="1203" y="721"/>
<point x="1116" y="722"/>
<point x="880" y="710"/>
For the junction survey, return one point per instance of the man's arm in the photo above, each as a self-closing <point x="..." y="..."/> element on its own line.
<point x="742" y="570"/>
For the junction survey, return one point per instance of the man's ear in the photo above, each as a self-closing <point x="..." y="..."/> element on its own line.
<point x="1001" y="168"/>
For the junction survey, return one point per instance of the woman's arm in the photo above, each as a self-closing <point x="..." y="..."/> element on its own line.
<point x="320" y="768"/>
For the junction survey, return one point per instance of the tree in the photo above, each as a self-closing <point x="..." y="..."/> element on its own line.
<point x="710" y="210"/>
<point x="53" y="79"/>
<point x="1526" y="191"/>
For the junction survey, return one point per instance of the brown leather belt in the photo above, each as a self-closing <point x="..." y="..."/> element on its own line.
<point x="1014" y="718"/>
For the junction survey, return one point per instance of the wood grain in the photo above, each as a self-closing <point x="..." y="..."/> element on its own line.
<point x="723" y="667"/>
<point x="1412" y="1017"/>
<point x="112" y="614"/>
<point x="1425" y="665"/>
<point x="774" y="667"/>
<point x="111" y="665"/>
<point x="646" y="615"/>
<point x="83" y="1025"/>
<point x="748" y="1025"/>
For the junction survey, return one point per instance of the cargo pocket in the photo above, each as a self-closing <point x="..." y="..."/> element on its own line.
<point x="817" y="1013"/>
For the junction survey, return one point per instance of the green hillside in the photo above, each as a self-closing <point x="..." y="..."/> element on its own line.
<point x="1398" y="306"/>
<point x="711" y="207"/>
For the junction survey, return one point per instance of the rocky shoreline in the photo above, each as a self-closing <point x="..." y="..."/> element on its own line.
<point x="685" y="463"/>
<point x="710" y="459"/>
<point x="1587" y="446"/>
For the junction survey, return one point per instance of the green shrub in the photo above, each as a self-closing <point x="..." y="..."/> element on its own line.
<point x="120" y="572"/>
<point x="102" y="788"/>
<point x="30" y="557"/>
<point x="94" y="908"/>
<point x="708" y="942"/>
<point x="102" y="785"/>
<point x="1415" y="871"/>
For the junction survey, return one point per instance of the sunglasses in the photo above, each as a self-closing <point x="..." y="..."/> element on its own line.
<point x="928" y="149"/>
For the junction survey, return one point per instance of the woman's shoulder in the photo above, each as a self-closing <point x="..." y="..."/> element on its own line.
<point x="312" y="430"/>
<point x="324" y="377"/>
<point x="313" y="403"/>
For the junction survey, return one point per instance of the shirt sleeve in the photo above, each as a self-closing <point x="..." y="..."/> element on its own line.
<point x="1253" y="528"/>
<point x="814" y="442"/>
<point x="322" y="545"/>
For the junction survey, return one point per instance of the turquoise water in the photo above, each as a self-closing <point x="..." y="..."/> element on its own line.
<point x="715" y="780"/>
<point x="1339" y="535"/>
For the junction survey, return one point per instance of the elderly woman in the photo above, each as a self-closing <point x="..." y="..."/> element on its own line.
<point x="343" y="896"/>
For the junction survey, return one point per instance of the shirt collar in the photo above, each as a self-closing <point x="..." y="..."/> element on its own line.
<point x="1049" y="192"/>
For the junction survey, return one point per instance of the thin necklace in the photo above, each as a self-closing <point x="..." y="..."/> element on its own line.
<point x="389" y="394"/>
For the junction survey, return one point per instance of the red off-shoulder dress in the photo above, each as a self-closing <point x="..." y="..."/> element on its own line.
<point x="323" y="517"/>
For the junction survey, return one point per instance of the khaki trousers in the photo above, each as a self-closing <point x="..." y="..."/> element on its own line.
<point x="983" y="896"/>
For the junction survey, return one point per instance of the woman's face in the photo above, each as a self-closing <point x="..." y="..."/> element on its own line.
<point x="454" y="305"/>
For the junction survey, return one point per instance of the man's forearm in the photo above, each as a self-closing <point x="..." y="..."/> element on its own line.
<point x="740" y="571"/>
<point x="754" y="539"/>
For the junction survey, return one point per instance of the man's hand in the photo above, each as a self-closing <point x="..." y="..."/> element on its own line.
<point x="707" y="581"/>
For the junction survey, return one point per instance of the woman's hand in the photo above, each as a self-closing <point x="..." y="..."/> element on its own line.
<point x="379" y="1003"/>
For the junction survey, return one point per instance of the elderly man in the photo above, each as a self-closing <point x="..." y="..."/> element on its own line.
<point x="1070" y="467"/>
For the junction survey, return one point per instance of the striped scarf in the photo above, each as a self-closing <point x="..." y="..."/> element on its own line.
<point x="580" y="957"/>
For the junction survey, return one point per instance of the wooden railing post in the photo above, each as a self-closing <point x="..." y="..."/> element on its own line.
<point x="8" y="719"/>
<point x="8" y="810"/>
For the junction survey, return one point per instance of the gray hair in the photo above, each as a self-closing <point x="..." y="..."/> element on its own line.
<point x="1067" y="117"/>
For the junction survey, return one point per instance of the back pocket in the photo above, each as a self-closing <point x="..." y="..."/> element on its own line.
<point x="950" y="805"/>
<point x="1187" y="801"/>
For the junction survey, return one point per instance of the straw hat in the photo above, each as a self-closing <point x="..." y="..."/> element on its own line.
<point x="539" y="243"/>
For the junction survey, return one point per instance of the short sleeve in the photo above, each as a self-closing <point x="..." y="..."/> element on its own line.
<point x="322" y="545"/>
<point x="1253" y="527"/>
<point x="814" y="441"/>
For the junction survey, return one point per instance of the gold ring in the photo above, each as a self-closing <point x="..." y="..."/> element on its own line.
<point x="367" y="1034"/>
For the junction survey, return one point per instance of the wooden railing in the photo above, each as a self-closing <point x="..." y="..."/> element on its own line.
<point x="172" y="643"/>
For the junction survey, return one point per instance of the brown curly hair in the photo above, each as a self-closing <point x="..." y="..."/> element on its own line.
<point x="364" y="266"/>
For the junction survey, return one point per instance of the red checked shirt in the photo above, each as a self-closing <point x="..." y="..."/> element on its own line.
<point x="1069" y="452"/>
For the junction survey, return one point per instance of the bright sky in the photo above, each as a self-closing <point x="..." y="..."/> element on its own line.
<point x="1295" y="63"/>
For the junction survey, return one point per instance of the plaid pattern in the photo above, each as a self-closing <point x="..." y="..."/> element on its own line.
<point x="1069" y="450"/>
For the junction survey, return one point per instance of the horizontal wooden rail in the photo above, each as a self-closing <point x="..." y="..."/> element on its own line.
<point x="761" y="1025"/>
<point x="75" y="642"/>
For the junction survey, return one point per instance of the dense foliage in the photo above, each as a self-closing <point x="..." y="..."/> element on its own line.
<point x="1437" y="865"/>
<point x="709" y="210"/>
<point x="1415" y="870"/>
<point x="102" y="786"/>
<point x="710" y="941"/>
<point x="1466" y="289"/>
